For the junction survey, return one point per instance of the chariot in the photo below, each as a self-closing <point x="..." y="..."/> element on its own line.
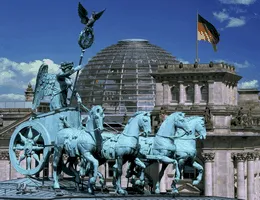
<point x="32" y="142"/>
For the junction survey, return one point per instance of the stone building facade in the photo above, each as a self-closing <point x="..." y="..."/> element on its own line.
<point x="230" y="154"/>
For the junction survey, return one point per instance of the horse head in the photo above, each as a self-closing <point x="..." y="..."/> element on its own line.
<point x="140" y="121"/>
<point x="200" y="127"/>
<point x="97" y="114"/>
<point x="179" y="121"/>
<point x="144" y="123"/>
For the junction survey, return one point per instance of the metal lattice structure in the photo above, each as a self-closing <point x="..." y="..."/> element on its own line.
<point x="118" y="77"/>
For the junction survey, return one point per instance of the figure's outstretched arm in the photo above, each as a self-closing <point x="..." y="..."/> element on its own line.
<point x="72" y="71"/>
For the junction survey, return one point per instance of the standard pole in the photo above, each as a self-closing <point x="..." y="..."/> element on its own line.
<point x="75" y="82"/>
<point x="197" y="41"/>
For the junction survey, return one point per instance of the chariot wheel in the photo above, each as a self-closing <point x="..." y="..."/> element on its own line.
<point x="29" y="148"/>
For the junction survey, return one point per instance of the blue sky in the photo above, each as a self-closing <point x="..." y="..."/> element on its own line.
<point x="36" y="31"/>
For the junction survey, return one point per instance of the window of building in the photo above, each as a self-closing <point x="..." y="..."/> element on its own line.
<point x="204" y="93"/>
<point x="110" y="168"/>
<point x="189" y="172"/>
<point x="175" y="93"/>
<point x="189" y="93"/>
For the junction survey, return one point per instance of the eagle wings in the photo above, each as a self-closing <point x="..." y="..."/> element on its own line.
<point x="83" y="14"/>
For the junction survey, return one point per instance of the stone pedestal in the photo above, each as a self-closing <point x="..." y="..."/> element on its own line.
<point x="208" y="158"/>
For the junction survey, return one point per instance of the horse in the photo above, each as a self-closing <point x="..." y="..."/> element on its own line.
<point x="125" y="146"/>
<point x="80" y="142"/>
<point x="185" y="146"/>
<point x="161" y="148"/>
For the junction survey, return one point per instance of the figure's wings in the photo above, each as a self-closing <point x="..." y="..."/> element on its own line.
<point x="44" y="85"/>
<point x="83" y="14"/>
<point x="99" y="14"/>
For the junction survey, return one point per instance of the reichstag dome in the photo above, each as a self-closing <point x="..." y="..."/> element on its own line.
<point x="118" y="76"/>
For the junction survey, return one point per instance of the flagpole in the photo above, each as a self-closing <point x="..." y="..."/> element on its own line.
<point x="197" y="42"/>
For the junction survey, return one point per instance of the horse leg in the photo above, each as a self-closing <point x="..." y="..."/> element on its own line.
<point x="56" y="159"/>
<point x="157" y="186"/>
<point x="140" y="164"/>
<point x="119" y="189"/>
<point x="72" y="161"/>
<point x="180" y="165"/>
<point x="90" y="158"/>
<point x="197" y="166"/>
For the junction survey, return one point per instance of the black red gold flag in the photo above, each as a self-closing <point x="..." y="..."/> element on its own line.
<point x="207" y="32"/>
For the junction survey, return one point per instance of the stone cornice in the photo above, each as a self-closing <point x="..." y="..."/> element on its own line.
<point x="208" y="157"/>
<point x="173" y="76"/>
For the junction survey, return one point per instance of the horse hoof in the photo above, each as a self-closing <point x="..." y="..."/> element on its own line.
<point x="157" y="191"/>
<point x="122" y="192"/>
<point x="90" y="191"/>
<point x="175" y="191"/>
<point x="196" y="182"/>
<point x="58" y="192"/>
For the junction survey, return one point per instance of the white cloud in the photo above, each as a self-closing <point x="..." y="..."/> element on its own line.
<point x="221" y="16"/>
<point x="231" y="21"/>
<point x="236" y="22"/>
<point x="248" y="84"/>
<point x="242" y="2"/>
<point x="183" y="61"/>
<point x="245" y="64"/>
<point x="30" y="68"/>
<point x="12" y="97"/>
<point x="13" y="74"/>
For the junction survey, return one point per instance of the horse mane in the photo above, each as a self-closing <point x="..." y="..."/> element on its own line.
<point x="135" y="114"/>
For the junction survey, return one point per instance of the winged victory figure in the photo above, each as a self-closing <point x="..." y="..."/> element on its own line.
<point x="55" y="86"/>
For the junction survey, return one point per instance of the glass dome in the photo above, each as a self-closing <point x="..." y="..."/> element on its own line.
<point x="118" y="77"/>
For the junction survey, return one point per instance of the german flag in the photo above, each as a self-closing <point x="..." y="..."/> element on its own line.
<point x="207" y="32"/>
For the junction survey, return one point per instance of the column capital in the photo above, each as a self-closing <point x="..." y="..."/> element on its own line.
<point x="250" y="156"/>
<point x="4" y="155"/>
<point x="208" y="157"/>
<point x="165" y="82"/>
<point x="210" y="81"/>
<point x="240" y="157"/>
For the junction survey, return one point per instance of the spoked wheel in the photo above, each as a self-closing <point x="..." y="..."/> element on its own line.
<point x="29" y="148"/>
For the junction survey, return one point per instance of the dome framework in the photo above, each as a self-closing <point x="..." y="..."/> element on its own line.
<point x="118" y="77"/>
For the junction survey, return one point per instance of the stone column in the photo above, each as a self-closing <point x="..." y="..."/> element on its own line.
<point x="240" y="158"/>
<point x="257" y="175"/>
<point x="197" y="94"/>
<point x="181" y="93"/>
<point x="208" y="158"/>
<point x="250" y="175"/>
<point x="165" y="92"/>
<point x="211" y="92"/>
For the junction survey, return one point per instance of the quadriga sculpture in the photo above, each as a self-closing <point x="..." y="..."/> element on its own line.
<point x="161" y="147"/>
<point x="125" y="146"/>
<point x="80" y="142"/>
